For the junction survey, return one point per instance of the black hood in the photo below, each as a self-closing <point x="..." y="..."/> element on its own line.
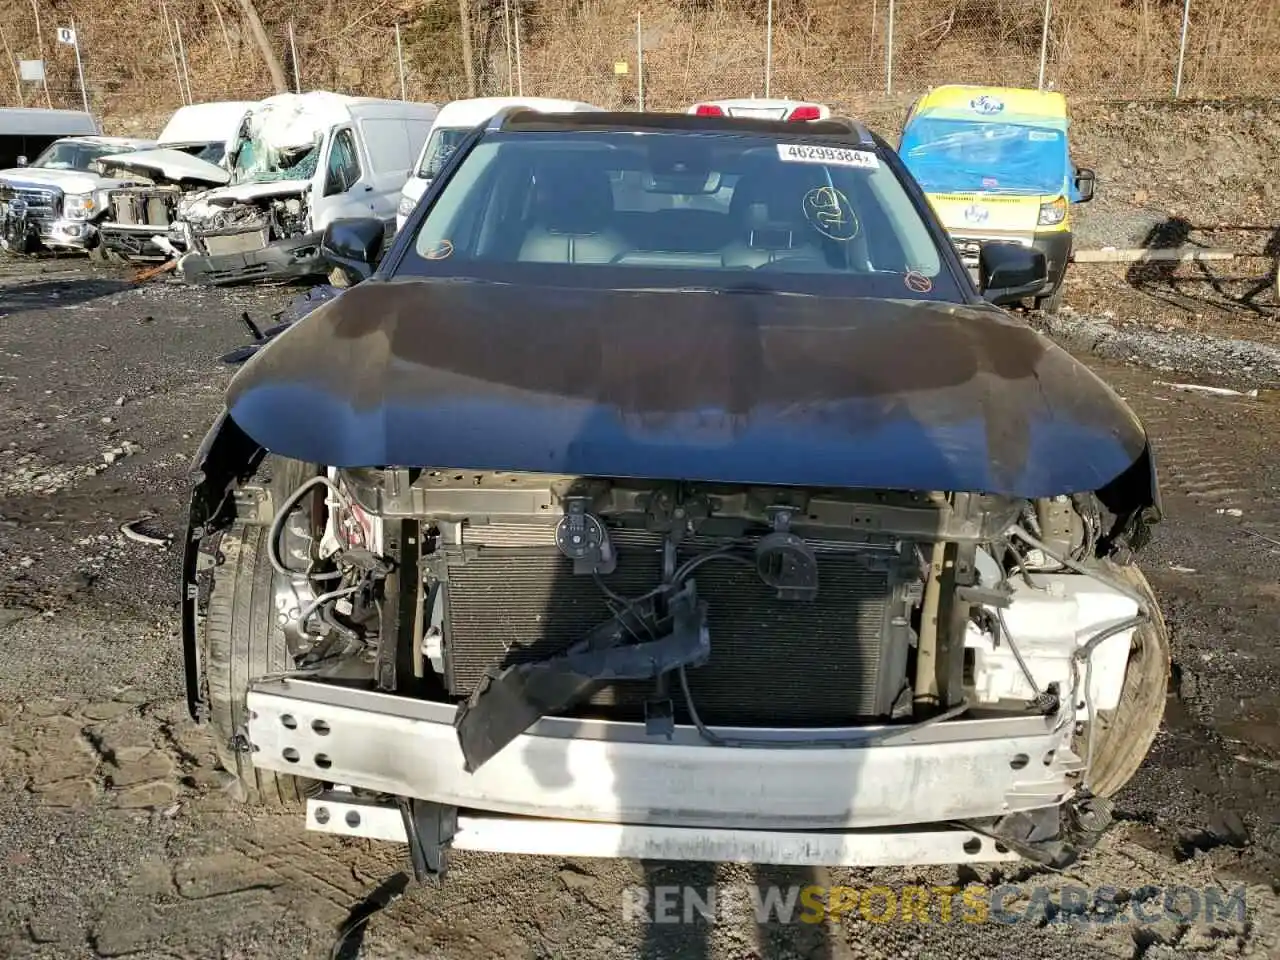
<point x="758" y="388"/>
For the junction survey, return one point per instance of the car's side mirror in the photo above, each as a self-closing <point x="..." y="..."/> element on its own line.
<point x="22" y="161"/>
<point x="1085" y="181"/>
<point x="1010" y="272"/>
<point x="354" y="245"/>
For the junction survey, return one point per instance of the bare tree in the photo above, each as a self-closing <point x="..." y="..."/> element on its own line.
<point x="264" y="46"/>
<point x="468" y="64"/>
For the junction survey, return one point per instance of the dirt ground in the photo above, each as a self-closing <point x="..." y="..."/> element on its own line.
<point x="118" y="839"/>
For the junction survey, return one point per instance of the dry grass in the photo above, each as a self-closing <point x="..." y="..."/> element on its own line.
<point x="832" y="50"/>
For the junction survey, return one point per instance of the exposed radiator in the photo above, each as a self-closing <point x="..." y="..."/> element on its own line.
<point x="835" y="660"/>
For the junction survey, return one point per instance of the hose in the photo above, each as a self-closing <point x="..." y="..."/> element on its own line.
<point x="282" y="515"/>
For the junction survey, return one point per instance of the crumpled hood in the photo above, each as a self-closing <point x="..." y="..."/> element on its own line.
<point x="68" y="181"/>
<point x="171" y="164"/>
<point x="736" y="388"/>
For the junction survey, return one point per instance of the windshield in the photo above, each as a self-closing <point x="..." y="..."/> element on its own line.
<point x="441" y="144"/>
<point x="73" y="155"/>
<point x="259" y="161"/>
<point x="967" y="156"/>
<point x="690" y="209"/>
<point x="213" y="152"/>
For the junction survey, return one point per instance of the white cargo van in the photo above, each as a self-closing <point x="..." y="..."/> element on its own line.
<point x="302" y="160"/>
<point x="455" y="120"/>
<point x="191" y="155"/>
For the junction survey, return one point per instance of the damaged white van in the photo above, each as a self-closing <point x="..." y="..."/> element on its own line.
<point x="191" y="155"/>
<point x="302" y="160"/>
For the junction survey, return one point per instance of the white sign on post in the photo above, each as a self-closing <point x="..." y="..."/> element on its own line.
<point x="32" y="70"/>
<point x="67" y="35"/>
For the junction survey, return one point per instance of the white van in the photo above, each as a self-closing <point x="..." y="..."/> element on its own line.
<point x="455" y="121"/>
<point x="301" y="161"/>
<point x="192" y="154"/>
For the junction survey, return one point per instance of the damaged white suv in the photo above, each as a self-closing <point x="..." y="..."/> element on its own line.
<point x="604" y="522"/>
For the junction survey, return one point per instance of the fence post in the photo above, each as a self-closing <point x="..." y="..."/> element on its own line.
<point x="768" y="49"/>
<point x="515" y="17"/>
<point x="640" y="62"/>
<point x="888" y="53"/>
<point x="506" y="29"/>
<point x="1044" y="43"/>
<point x="293" y="54"/>
<point x="173" y="49"/>
<point x="400" y="61"/>
<point x="182" y="53"/>
<point x="1182" y="47"/>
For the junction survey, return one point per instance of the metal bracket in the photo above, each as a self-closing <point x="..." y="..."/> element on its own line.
<point x="430" y="828"/>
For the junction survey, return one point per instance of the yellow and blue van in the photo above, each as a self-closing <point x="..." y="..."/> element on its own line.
<point x="996" y="167"/>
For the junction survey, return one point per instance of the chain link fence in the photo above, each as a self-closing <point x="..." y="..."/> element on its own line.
<point x="143" y="58"/>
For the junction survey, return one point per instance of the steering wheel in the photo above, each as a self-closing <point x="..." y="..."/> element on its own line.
<point x="801" y="259"/>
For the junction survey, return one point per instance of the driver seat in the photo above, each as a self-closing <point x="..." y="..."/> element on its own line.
<point x="572" y="214"/>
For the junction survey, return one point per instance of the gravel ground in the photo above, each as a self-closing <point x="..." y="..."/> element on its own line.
<point x="118" y="839"/>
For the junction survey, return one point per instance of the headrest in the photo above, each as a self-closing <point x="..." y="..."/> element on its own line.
<point x="573" y="198"/>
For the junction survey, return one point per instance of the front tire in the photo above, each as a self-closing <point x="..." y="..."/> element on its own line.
<point x="241" y="640"/>
<point x="1124" y="735"/>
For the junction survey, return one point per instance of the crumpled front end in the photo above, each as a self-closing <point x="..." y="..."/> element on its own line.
<point x="610" y="667"/>
<point x="32" y="218"/>
<point x="241" y="241"/>
<point x="823" y="608"/>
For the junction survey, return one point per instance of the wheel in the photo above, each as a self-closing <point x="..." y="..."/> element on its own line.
<point x="240" y="639"/>
<point x="1125" y="735"/>
<point x="1053" y="302"/>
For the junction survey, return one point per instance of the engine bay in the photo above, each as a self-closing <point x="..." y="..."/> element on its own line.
<point x="221" y="225"/>
<point x="516" y="596"/>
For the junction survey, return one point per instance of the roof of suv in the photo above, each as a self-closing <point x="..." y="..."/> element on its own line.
<point x="833" y="128"/>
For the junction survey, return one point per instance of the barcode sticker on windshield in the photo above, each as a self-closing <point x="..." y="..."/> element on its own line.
<point x="831" y="156"/>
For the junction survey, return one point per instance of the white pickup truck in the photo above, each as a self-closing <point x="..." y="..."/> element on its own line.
<point x="58" y="200"/>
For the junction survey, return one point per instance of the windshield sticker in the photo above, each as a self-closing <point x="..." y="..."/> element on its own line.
<point x="917" y="282"/>
<point x="831" y="156"/>
<point x="830" y="213"/>
<point x="440" y="250"/>
<point x="986" y="105"/>
<point x="1041" y="136"/>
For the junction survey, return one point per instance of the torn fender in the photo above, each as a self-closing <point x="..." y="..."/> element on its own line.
<point x="226" y="458"/>
<point x="507" y="702"/>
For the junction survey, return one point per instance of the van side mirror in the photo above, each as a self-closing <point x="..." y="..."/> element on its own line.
<point x="354" y="246"/>
<point x="1010" y="272"/>
<point x="1085" y="181"/>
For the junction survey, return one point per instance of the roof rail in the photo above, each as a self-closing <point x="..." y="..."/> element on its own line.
<point x="522" y="118"/>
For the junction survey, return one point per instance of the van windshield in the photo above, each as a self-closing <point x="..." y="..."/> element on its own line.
<point x="971" y="156"/>
<point x="260" y="161"/>
<point x="441" y="144"/>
